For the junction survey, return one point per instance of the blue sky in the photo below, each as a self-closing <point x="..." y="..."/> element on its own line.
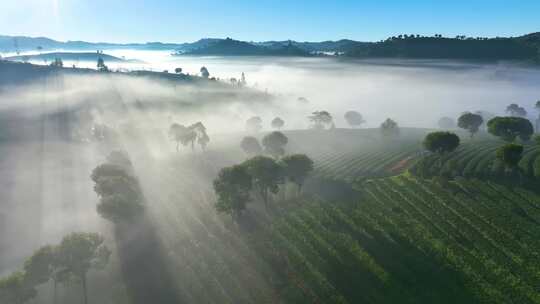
<point x="189" y="20"/>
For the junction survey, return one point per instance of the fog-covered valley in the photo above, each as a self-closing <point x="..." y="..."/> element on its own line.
<point x="58" y="127"/>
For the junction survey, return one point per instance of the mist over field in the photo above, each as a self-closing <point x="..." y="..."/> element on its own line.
<point x="415" y="93"/>
<point x="48" y="152"/>
<point x="410" y="91"/>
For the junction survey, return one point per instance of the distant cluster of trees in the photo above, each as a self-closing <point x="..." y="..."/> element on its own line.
<point x="438" y="36"/>
<point x="273" y="144"/>
<point x="508" y="128"/>
<point x="260" y="176"/>
<point x="257" y="179"/>
<point x="460" y="47"/>
<point x="323" y="120"/>
<point x="65" y="263"/>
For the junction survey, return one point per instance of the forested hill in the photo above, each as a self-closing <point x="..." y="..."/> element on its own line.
<point x="521" y="48"/>
<point x="524" y="48"/>
<point x="240" y="48"/>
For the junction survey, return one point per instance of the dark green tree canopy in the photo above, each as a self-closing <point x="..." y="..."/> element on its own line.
<point x="120" y="207"/>
<point x="441" y="142"/>
<point x="266" y="175"/>
<point x="232" y="187"/>
<point x="320" y="119"/>
<point x="204" y="72"/>
<point x="274" y="143"/>
<point x="510" y="154"/>
<point x="516" y="110"/>
<point x="389" y="127"/>
<point x="108" y="170"/>
<point x="277" y="123"/>
<point x="446" y="123"/>
<point x="101" y="65"/>
<point x="509" y="128"/>
<point x="40" y="266"/>
<point x="354" y="118"/>
<point x="80" y="252"/>
<point x="15" y="289"/>
<point x="120" y="194"/>
<point x="470" y="122"/>
<point x="251" y="145"/>
<point x="297" y="167"/>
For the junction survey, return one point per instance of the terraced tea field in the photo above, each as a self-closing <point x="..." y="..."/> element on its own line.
<point x="476" y="158"/>
<point x="411" y="241"/>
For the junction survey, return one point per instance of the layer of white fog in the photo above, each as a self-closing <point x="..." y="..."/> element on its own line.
<point x="45" y="187"/>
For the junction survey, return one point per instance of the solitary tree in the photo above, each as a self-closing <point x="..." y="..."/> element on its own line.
<point x="470" y="122"/>
<point x="80" y="252"/>
<point x="232" y="188"/>
<point x="200" y="133"/>
<point x="178" y="70"/>
<point x="441" y="142"/>
<point x="389" y="127"/>
<point x="515" y="110"/>
<point x="204" y="72"/>
<point x="508" y="128"/>
<point x="296" y="168"/>
<point x="243" y="81"/>
<point x="57" y="63"/>
<point x="119" y="192"/>
<point x="266" y="176"/>
<point x="254" y="124"/>
<point x="354" y="119"/>
<point x="274" y="143"/>
<point x="320" y="120"/>
<point x="101" y="65"/>
<point x="510" y="155"/>
<point x="447" y="123"/>
<point x="182" y="135"/>
<point x="251" y="145"/>
<point x="15" y="289"/>
<point x="277" y="123"/>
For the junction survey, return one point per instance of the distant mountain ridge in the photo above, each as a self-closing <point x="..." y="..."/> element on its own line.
<point x="240" y="48"/>
<point x="523" y="48"/>
<point x="70" y="56"/>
